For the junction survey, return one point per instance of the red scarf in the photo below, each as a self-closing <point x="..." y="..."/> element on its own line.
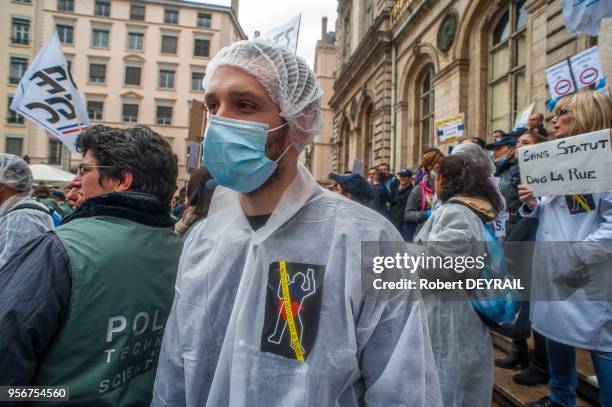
<point x="427" y="192"/>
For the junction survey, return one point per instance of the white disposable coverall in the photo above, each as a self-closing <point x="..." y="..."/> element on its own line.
<point x="20" y="226"/>
<point x="366" y="352"/>
<point x="461" y="342"/>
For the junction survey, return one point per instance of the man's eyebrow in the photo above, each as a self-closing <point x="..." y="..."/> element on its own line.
<point x="247" y="94"/>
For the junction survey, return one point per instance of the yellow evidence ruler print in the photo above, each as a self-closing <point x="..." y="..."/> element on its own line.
<point x="284" y="278"/>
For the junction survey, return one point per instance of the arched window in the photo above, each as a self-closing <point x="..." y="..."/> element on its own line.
<point x="369" y="128"/>
<point x="507" y="53"/>
<point x="426" y="107"/>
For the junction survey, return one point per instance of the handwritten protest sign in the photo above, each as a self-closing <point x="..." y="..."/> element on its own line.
<point x="286" y="34"/>
<point x="451" y="129"/>
<point x="572" y="165"/>
<point x="48" y="96"/>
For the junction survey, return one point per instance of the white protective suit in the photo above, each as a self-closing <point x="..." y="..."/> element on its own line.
<point x="20" y="226"/>
<point x="361" y="351"/>
<point x="461" y="342"/>
<point x="572" y="262"/>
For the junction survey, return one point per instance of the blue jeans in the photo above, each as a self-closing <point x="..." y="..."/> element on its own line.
<point x="564" y="378"/>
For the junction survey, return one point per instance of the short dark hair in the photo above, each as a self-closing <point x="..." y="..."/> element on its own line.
<point x="479" y="141"/>
<point x="503" y="133"/>
<point x="380" y="176"/>
<point x="381" y="164"/>
<point x="140" y="151"/>
<point x="462" y="176"/>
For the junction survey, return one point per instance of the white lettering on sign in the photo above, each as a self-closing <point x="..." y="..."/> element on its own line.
<point x="572" y="165"/>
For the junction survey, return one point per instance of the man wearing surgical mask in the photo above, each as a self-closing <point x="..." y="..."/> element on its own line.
<point x="269" y="306"/>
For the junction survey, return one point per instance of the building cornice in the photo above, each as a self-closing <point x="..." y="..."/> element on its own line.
<point x="374" y="43"/>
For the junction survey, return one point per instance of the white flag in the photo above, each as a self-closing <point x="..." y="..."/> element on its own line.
<point x="286" y="34"/>
<point x="585" y="15"/>
<point x="48" y="96"/>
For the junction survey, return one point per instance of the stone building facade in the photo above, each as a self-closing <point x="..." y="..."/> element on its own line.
<point x="402" y="65"/>
<point x="135" y="62"/>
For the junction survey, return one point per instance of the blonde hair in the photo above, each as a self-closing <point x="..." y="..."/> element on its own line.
<point x="592" y="111"/>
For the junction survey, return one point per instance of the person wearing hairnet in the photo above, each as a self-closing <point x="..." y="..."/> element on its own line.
<point x="269" y="307"/>
<point x="21" y="217"/>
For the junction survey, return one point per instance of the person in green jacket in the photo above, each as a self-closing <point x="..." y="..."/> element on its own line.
<point x="85" y="306"/>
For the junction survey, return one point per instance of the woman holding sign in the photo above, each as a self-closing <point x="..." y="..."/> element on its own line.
<point x="571" y="291"/>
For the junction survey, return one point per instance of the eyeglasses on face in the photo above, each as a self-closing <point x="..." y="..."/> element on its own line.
<point x="82" y="169"/>
<point x="562" y="112"/>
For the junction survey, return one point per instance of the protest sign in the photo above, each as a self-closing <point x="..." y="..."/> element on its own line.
<point x="571" y="165"/>
<point x="193" y="155"/>
<point x="197" y="122"/>
<point x="522" y="117"/>
<point x="560" y="81"/>
<point x="48" y="96"/>
<point x="285" y="34"/>
<point x="586" y="67"/>
<point x="357" y="167"/>
<point x="451" y="129"/>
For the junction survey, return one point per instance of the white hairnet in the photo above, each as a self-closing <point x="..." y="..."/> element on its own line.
<point x="287" y="78"/>
<point x="475" y="153"/>
<point x="15" y="173"/>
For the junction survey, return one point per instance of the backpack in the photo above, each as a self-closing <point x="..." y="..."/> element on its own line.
<point x="496" y="308"/>
<point x="57" y="218"/>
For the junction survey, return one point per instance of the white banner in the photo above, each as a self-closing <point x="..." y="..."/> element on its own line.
<point x="523" y="116"/>
<point x="586" y="67"/>
<point x="560" y="81"/>
<point x="48" y="96"/>
<point x="571" y="165"/>
<point x="286" y="34"/>
<point x="585" y="15"/>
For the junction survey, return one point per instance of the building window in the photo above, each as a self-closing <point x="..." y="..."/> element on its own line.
<point x="130" y="112"/>
<point x="164" y="115"/>
<point x="132" y="75"/>
<point x="99" y="38"/>
<point x="55" y="152"/>
<point x="507" y="54"/>
<point x="346" y="42"/>
<point x="11" y="116"/>
<point x="137" y="12"/>
<point x="13" y="145"/>
<point x="102" y="8"/>
<point x="426" y="108"/>
<point x="166" y="78"/>
<point x="196" y="81"/>
<point x="135" y="41"/>
<point x="94" y="109"/>
<point x="97" y="73"/>
<point x="21" y="31"/>
<point x="169" y="44"/>
<point x="18" y="67"/>
<point x="23" y="1"/>
<point x="65" y="33"/>
<point x="201" y="47"/>
<point x="171" y="16"/>
<point x="369" y="152"/>
<point x="204" y="20"/>
<point x="65" y="5"/>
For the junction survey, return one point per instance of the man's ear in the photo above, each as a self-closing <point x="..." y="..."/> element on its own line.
<point x="126" y="182"/>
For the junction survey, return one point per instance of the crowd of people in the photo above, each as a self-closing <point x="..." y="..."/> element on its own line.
<point x="244" y="288"/>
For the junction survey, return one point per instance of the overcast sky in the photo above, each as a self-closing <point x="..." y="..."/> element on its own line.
<point x="264" y="15"/>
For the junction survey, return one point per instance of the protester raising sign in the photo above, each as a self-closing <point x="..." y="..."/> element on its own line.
<point x="48" y="96"/>
<point x="571" y="165"/>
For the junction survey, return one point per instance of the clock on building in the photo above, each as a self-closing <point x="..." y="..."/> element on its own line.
<point x="446" y="32"/>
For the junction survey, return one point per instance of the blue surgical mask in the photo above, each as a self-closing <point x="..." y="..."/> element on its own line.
<point x="235" y="153"/>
